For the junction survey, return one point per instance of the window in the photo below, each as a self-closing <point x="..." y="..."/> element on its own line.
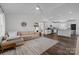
<point x="2" y="24"/>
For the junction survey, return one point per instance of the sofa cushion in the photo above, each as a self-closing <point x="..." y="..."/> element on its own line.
<point x="18" y="41"/>
<point x="11" y="34"/>
<point x="12" y="38"/>
<point x="28" y="35"/>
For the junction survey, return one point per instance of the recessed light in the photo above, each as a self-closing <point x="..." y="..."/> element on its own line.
<point x="37" y="7"/>
<point x="71" y="18"/>
<point x="70" y="12"/>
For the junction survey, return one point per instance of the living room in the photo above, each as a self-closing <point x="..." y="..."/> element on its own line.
<point x="39" y="28"/>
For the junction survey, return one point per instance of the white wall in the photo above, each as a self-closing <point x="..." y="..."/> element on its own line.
<point x="77" y="47"/>
<point x="64" y="12"/>
<point x="13" y="22"/>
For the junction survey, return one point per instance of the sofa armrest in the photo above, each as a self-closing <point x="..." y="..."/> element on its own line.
<point x="17" y="41"/>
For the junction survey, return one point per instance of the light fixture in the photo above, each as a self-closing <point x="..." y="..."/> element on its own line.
<point x="70" y="12"/>
<point x="59" y="21"/>
<point x="37" y="7"/>
<point x="51" y="17"/>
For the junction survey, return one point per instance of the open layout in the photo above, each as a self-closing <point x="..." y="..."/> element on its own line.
<point x="39" y="28"/>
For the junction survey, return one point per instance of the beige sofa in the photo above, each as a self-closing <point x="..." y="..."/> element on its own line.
<point x="17" y="41"/>
<point x="20" y="38"/>
<point x="28" y="35"/>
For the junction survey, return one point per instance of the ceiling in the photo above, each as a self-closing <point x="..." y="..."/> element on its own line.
<point x="49" y="10"/>
<point x="27" y="8"/>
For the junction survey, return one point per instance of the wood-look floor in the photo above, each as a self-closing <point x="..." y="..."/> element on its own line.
<point x="32" y="47"/>
<point x="42" y="46"/>
<point x="66" y="45"/>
